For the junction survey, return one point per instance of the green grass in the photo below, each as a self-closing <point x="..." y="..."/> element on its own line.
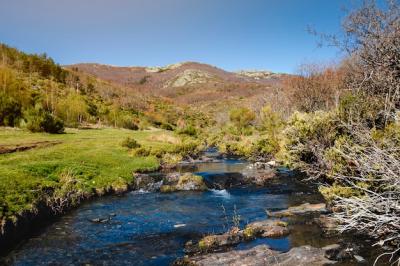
<point x="95" y="159"/>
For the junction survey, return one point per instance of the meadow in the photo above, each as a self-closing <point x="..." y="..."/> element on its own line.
<point x="79" y="163"/>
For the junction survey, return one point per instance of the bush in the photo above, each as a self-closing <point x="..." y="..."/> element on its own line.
<point x="10" y="111"/>
<point x="43" y="121"/>
<point x="167" y="126"/>
<point x="129" y="124"/>
<point x="305" y="132"/>
<point x="130" y="143"/>
<point x="315" y="88"/>
<point x="272" y="125"/>
<point x="187" y="130"/>
<point x="189" y="147"/>
<point x="141" y="152"/>
<point x="242" y="117"/>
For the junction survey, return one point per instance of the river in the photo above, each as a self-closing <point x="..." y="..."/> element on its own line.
<point x="151" y="228"/>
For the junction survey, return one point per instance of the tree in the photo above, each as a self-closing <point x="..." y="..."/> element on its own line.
<point x="371" y="40"/>
<point x="73" y="109"/>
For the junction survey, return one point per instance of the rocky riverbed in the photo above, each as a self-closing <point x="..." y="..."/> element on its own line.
<point x="217" y="211"/>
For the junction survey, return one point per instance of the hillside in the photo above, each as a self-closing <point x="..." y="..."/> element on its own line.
<point x="189" y="83"/>
<point x="40" y="95"/>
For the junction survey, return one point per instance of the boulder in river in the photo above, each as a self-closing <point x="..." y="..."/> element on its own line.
<point x="262" y="255"/>
<point x="258" y="174"/>
<point x="147" y="182"/>
<point x="266" y="228"/>
<point x="212" y="243"/>
<point x="216" y="242"/>
<point x="183" y="182"/>
<point x="224" y="180"/>
<point x="302" y="209"/>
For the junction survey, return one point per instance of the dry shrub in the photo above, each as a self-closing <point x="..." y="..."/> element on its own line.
<point x="314" y="88"/>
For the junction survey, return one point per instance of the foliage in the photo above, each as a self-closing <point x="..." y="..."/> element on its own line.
<point x="189" y="130"/>
<point x="242" y="118"/>
<point x="304" y="131"/>
<point x="10" y="111"/>
<point x="130" y="143"/>
<point x="271" y="126"/>
<point x="39" y="120"/>
<point x="30" y="63"/>
<point x="73" y="109"/>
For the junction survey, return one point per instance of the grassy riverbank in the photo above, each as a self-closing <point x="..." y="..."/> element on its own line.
<point x="76" y="164"/>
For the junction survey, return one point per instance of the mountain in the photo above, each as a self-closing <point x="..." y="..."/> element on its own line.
<point x="190" y="83"/>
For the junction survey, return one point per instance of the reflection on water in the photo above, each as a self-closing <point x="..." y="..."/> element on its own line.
<point x="152" y="228"/>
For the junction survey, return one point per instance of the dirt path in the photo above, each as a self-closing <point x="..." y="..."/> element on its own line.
<point x="26" y="146"/>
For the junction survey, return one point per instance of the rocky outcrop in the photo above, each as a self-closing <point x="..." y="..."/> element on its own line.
<point x="158" y="69"/>
<point x="262" y="255"/>
<point x="261" y="74"/>
<point x="302" y="209"/>
<point x="189" y="77"/>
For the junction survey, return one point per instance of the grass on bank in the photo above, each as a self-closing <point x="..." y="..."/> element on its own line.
<point x="93" y="160"/>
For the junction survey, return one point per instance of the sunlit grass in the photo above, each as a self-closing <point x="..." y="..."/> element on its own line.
<point x="95" y="158"/>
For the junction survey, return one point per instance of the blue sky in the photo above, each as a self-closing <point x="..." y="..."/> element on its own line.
<point x="231" y="34"/>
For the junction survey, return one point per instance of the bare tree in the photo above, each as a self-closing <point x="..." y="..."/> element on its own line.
<point x="371" y="39"/>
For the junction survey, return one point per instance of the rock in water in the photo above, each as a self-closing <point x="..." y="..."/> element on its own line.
<point x="212" y="243"/>
<point x="183" y="182"/>
<point x="261" y="255"/>
<point x="258" y="174"/>
<point x="266" y="228"/>
<point x="302" y="209"/>
<point x="147" y="182"/>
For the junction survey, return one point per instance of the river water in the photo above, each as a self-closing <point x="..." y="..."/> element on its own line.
<point x="152" y="228"/>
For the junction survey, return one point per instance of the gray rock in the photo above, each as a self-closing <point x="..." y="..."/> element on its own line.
<point x="212" y="243"/>
<point x="183" y="182"/>
<point x="261" y="255"/>
<point x="147" y="182"/>
<point x="302" y="209"/>
<point x="266" y="228"/>
<point x="259" y="174"/>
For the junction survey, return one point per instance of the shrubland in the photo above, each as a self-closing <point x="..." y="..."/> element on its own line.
<point x="344" y="126"/>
